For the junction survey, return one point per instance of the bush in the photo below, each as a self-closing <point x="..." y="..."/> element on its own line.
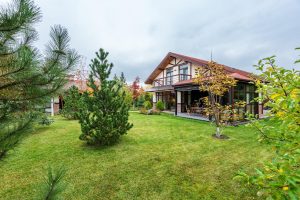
<point x="160" y="105"/>
<point x="149" y="112"/>
<point x="72" y="103"/>
<point x="147" y="105"/>
<point x="143" y="111"/>
<point x="153" y="112"/>
<point x="279" y="178"/>
<point x="45" y="120"/>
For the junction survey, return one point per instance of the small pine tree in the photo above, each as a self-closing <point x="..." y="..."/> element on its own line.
<point x="71" y="103"/>
<point x="105" y="116"/>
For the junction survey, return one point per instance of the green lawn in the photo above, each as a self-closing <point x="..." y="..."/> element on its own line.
<point x="162" y="157"/>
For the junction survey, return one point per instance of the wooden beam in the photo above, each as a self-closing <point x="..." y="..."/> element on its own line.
<point x="175" y="102"/>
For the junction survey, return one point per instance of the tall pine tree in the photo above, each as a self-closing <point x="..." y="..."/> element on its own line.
<point x="27" y="78"/>
<point x="104" y="115"/>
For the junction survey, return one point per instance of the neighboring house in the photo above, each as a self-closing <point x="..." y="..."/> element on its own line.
<point x="173" y="83"/>
<point x="57" y="102"/>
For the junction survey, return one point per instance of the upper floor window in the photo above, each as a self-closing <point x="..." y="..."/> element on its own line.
<point x="183" y="72"/>
<point x="169" y="76"/>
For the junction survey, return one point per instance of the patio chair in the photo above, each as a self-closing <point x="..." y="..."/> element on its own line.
<point x="188" y="110"/>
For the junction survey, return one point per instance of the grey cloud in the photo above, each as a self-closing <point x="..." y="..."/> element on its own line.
<point x="139" y="33"/>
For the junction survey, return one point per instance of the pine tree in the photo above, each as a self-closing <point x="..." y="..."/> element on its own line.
<point x="104" y="117"/>
<point x="71" y="103"/>
<point x="122" y="78"/>
<point x="27" y="79"/>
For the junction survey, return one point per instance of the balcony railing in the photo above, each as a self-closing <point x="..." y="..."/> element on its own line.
<point x="170" y="80"/>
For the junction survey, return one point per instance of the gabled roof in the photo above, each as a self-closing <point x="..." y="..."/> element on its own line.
<point x="238" y="74"/>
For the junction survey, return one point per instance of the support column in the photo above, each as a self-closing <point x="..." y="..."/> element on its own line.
<point x="154" y="100"/>
<point x="52" y="107"/>
<point x="175" y="102"/>
<point x="178" y="102"/>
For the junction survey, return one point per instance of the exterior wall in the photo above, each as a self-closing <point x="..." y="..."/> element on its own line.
<point x="56" y="108"/>
<point x="192" y="68"/>
<point x="175" y="72"/>
<point x="161" y="75"/>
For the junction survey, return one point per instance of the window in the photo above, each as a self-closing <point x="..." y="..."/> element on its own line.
<point x="239" y="93"/>
<point x="246" y="92"/>
<point x="169" y="76"/>
<point x="183" y="72"/>
<point x="159" y="96"/>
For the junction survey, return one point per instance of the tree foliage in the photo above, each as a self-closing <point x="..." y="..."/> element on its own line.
<point x="27" y="79"/>
<point x="214" y="80"/>
<point x="53" y="184"/>
<point x="71" y="103"/>
<point x="135" y="89"/>
<point x="125" y="88"/>
<point x="104" y="117"/>
<point x="160" y="106"/>
<point x="280" y="89"/>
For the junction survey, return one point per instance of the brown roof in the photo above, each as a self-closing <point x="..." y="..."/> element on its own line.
<point x="239" y="74"/>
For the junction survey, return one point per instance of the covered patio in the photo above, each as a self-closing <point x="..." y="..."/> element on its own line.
<point x="189" y="101"/>
<point x="188" y="115"/>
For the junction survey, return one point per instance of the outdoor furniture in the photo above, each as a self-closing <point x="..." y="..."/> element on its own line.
<point x="188" y="110"/>
<point x="197" y="110"/>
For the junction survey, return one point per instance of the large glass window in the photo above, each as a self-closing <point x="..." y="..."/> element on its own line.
<point x="169" y="76"/>
<point x="246" y="92"/>
<point x="183" y="72"/>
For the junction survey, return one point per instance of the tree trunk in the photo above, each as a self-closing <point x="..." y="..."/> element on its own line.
<point x="218" y="132"/>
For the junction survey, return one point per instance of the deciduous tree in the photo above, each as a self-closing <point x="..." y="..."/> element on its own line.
<point x="214" y="80"/>
<point x="280" y="89"/>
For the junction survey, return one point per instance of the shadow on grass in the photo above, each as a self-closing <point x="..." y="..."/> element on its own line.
<point x="39" y="129"/>
<point x="124" y="142"/>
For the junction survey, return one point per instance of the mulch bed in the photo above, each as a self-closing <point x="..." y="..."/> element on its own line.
<point x="222" y="137"/>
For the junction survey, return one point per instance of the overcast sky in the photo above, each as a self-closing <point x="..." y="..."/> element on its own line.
<point x="139" y="33"/>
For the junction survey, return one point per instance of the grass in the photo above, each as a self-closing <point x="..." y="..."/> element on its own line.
<point x="162" y="157"/>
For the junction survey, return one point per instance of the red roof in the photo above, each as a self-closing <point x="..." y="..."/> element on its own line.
<point x="241" y="77"/>
<point x="236" y="73"/>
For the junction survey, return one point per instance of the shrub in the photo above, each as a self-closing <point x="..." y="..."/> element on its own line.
<point x="153" y="112"/>
<point x="147" y="105"/>
<point x="280" y="177"/>
<point x="160" y="105"/>
<point x="143" y="111"/>
<point x="72" y="103"/>
<point x="149" y="112"/>
<point x="45" y="120"/>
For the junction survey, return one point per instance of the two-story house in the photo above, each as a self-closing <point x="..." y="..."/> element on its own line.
<point x="173" y="83"/>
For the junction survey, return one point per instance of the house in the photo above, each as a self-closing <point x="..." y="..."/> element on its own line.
<point x="172" y="83"/>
